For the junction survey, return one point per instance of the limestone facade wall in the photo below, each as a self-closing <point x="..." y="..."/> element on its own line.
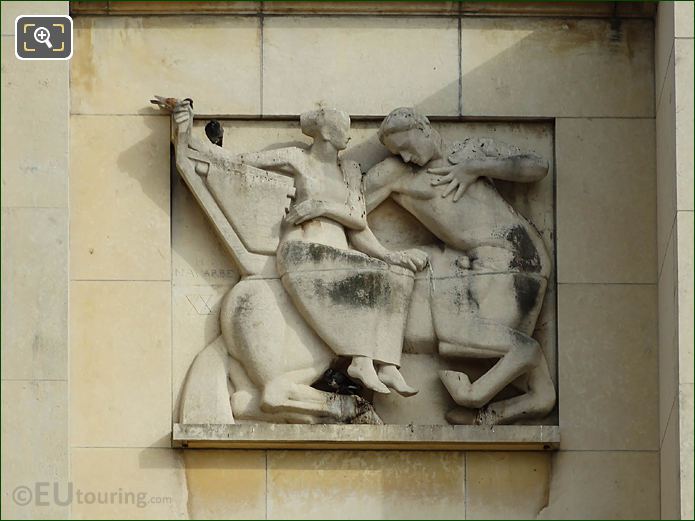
<point x="88" y="226"/>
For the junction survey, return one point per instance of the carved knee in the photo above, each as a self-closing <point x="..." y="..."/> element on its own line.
<point x="531" y="355"/>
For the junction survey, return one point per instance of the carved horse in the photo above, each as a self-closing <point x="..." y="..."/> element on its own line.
<point x="266" y="351"/>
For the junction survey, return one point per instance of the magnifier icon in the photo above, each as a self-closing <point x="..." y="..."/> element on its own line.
<point x="42" y="35"/>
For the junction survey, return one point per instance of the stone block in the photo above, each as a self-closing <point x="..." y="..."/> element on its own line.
<point x="608" y="367"/>
<point x="604" y="485"/>
<point x="606" y="209"/>
<point x="128" y="484"/>
<point x="685" y="432"/>
<point x="226" y="484"/>
<point x="11" y="10"/>
<point x="663" y="45"/>
<point x="507" y="485"/>
<point x="669" y="471"/>
<point x="365" y="485"/>
<point x="683" y="59"/>
<point x="34" y="448"/>
<point x="684" y="270"/>
<point x="683" y="19"/>
<point x="556" y="67"/>
<point x="34" y="293"/>
<point x="668" y="337"/>
<point x="665" y="165"/>
<point x="376" y="8"/>
<point x="362" y="65"/>
<point x="121" y="62"/>
<point x="119" y="192"/>
<point x="120" y="364"/>
<point x="35" y="134"/>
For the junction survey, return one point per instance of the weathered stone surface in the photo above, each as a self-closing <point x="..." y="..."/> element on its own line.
<point x="120" y="62"/>
<point x="623" y="488"/>
<point x="34" y="291"/>
<point x="142" y="483"/>
<point x="226" y="484"/>
<point x="605" y="181"/>
<point x="124" y="161"/>
<point x="684" y="270"/>
<point x="669" y="471"/>
<point x="34" y="447"/>
<point x="603" y="409"/>
<point x="365" y="485"/>
<point x="511" y="67"/>
<point x="401" y="437"/>
<point x="331" y="53"/>
<point x="685" y="431"/>
<point x="665" y="164"/>
<point x="11" y="10"/>
<point x="195" y="324"/>
<point x="683" y="60"/>
<point x="317" y="270"/>
<point x="683" y="26"/>
<point x="507" y="485"/>
<point x="35" y="101"/>
<point x="120" y="364"/>
<point x="668" y="337"/>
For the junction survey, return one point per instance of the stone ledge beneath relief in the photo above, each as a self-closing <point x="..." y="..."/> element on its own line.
<point x="395" y="437"/>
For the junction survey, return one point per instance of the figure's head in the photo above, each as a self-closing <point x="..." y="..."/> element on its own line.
<point x="327" y="125"/>
<point x="409" y="134"/>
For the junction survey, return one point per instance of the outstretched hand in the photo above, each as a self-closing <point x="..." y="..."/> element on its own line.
<point x="457" y="176"/>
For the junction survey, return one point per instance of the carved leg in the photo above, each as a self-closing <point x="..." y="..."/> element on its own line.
<point x="536" y="403"/>
<point x="286" y="395"/>
<point x="519" y="353"/>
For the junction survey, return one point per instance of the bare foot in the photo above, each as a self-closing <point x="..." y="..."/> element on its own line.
<point x="392" y="377"/>
<point x="362" y="368"/>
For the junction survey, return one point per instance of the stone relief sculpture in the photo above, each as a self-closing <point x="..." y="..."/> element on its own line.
<point x="317" y="322"/>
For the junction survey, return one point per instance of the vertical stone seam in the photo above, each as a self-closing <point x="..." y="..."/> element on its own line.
<point x="662" y="81"/>
<point x="172" y="172"/>
<point x="465" y="478"/>
<point x="266" y="483"/>
<point x="261" y="28"/>
<point x="68" y="345"/>
<point x="460" y="65"/>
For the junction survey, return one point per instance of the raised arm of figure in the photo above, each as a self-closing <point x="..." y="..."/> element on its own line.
<point x="382" y="180"/>
<point x="493" y="160"/>
<point x="283" y="160"/>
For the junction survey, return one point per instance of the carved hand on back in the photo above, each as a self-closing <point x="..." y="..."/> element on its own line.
<point x="459" y="177"/>
<point x="412" y="259"/>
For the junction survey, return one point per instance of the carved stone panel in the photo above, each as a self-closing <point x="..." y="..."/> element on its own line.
<point x="330" y="272"/>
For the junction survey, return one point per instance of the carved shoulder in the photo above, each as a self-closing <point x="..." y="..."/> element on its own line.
<point x="385" y="174"/>
<point x="480" y="148"/>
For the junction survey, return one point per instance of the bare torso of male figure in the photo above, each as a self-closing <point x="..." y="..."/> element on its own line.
<point x="481" y="224"/>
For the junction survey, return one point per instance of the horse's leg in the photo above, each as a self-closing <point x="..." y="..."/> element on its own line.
<point x="519" y="358"/>
<point x="291" y="393"/>
<point x="537" y="402"/>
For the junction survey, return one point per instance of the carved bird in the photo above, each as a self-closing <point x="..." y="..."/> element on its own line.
<point x="169" y="103"/>
<point x="214" y="132"/>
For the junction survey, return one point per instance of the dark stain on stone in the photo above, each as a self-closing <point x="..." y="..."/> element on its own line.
<point x="526" y="256"/>
<point x="362" y="289"/>
<point x="526" y="290"/>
